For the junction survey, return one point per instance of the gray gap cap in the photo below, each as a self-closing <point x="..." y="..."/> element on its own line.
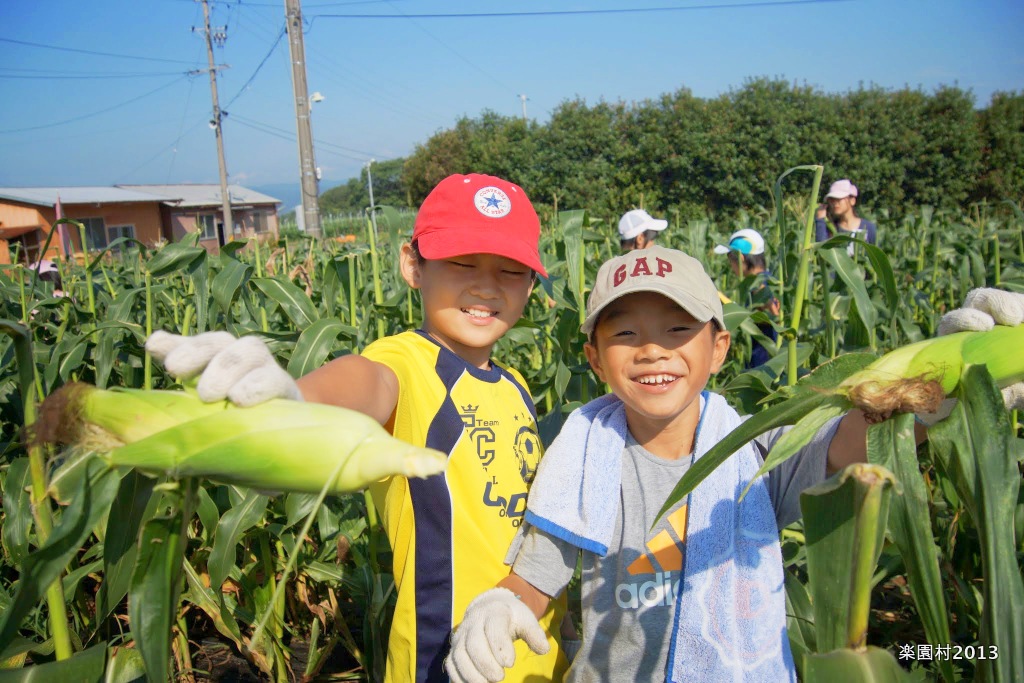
<point x="668" y="272"/>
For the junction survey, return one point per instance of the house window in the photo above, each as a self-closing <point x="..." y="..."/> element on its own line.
<point x="95" y="233"/>
<point x="207" y="224"/>
<point x="259" y="221"/>
<point x="118" y="231"/>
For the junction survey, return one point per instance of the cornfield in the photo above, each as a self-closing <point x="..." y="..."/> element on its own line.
<point x="119" y="574"/>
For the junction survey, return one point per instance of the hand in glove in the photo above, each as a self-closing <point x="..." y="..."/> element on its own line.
<point x="983" y="309"/>
<point x="483" y="645"/>
<point x="240" y="370"/>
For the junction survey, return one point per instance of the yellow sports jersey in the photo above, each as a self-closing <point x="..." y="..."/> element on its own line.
<point x="450" y="532"/>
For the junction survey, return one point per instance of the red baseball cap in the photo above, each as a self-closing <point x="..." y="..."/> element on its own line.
<point x="478" y="214"/>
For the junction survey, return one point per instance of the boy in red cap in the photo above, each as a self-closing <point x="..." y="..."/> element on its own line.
<point x="474" y="257"/>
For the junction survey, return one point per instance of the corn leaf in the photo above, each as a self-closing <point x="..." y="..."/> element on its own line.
<point x="799" y="620"/>
<point x="125" y="666"/>
<point x="872" y="665"/>
<point x="891" y="445"/>
<point x="571" y="229"/>
<point x="208" y="600"/>
<point x="293" y="301"/>
<point x="974" y="445"/>
<point x="44" y="566"/>
<point x="801" y="434"/>
<point x="227" y="283"/>
<point x="844" y="523"/>
<point x="156" y="581"/>
<point x="174" y="257"/>
<point x="17" y="510"/>
<point x="848" y="272"/>
<point x="315" y="344"/>
<point x="232" y="525"/>
<point x="133" y="505"/>
<point x="84" y="667"/>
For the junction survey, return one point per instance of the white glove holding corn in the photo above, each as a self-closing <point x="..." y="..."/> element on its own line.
<point x="983" y="309"/>
<point x="240" y="370"/>
<point x="483" y="645"/>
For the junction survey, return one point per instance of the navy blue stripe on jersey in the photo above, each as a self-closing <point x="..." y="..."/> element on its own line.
<point x="431" y="502"/>
<point x="491" y="376"/>
<point x="527" y="399"/>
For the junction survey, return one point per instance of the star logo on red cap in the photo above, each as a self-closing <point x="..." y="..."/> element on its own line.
<point x="492" y="202"/>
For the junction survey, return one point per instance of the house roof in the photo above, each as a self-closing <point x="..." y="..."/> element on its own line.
<point x="173" y="195"/>
<point x="47" y="196"/>
<point x="203" y="195"/>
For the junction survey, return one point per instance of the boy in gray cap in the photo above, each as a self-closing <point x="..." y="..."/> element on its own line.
<point x="700" y="597"/>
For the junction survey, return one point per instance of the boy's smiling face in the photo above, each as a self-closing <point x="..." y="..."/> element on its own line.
<point x="657" y="358"/>
<point x="469" y="302"/>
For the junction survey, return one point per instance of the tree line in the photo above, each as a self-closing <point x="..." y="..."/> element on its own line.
<point x="692" y="157"/>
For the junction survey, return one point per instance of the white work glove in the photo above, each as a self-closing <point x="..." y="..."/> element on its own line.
<point x="983" y="309"/>
<point x="240" y="370"/>
<point x="483" y="645"/>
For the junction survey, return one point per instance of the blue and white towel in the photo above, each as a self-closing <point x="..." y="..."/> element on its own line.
<point x="730" y="612"/>
<point x="575" y="495"/>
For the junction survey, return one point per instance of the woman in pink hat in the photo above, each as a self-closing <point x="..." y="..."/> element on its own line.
<point x="839" y="207"/>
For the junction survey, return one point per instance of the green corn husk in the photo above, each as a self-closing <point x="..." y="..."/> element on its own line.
<point x="915" y="378"/>
<point x="279" y="445"/>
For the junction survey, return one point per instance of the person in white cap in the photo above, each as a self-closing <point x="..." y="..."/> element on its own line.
<point x="839" y="207"/>
<point x="747" y="259"/>
<point x="638" y="229"/>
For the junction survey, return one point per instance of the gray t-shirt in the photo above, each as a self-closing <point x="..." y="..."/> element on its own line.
<point x="628" y="595"/>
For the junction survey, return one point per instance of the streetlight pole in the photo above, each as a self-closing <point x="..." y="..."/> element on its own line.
<point x="369" y="181"/>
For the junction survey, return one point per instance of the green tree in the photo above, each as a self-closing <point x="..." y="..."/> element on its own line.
<point x="354" y="196"/>
<point x="1001" y="129"/>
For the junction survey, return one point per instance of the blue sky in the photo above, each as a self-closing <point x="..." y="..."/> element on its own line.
<point x="74" y="117"/>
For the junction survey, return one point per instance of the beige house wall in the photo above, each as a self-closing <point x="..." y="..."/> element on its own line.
<point x="152" y="222"/>
<point x="20" y="219"/>
<point x="256" y="221"/>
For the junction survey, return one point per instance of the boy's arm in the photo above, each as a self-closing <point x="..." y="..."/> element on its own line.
<point x="356" y="383"/>
<point x="527" y="593"/>
<point x="246" y="373"/>
<point x="850" y="443"/>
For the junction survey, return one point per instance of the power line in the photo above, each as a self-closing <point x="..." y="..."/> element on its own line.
<point x="320" y="144"/>
<point x="42" y="76"/>
<point x="92" y="52"/>
<point x="95" y="113"/>
<point x="492" y="78"/>
<point x="128" y="176"/>
<point x="554" y="13"/>
<point x="260" y="66"/>
<point x="181" y="129"/>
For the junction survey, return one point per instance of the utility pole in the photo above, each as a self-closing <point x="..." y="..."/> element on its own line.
<point x="524" y="98"/>
<point x="229" y="225"/>
<point x="307" y="165"/>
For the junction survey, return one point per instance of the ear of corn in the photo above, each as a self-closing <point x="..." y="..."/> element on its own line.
<point x="916" y="377"/>
<point x="278" y="445"/>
